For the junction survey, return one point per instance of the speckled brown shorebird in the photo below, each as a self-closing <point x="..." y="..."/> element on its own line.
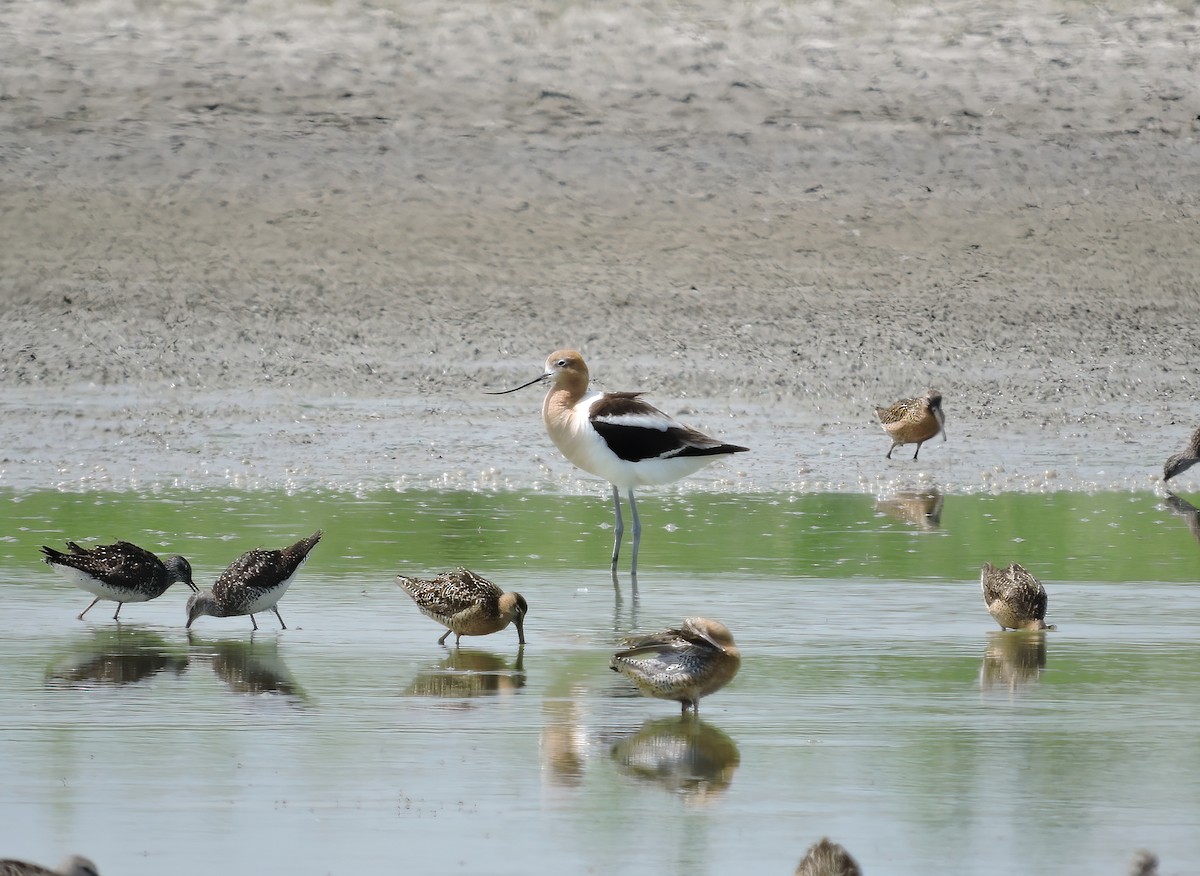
<point x="120" y="572"/>
<point x="466" y="604"/>
<point x="1180" y="462"/>
<point x="684" y="664"/>
<point x="913" y="420"/>
<point x="76" y="865"/>
<point x="254" y="582"/>
<point x="1015" y="598"/>
<point x="827" y="858"/>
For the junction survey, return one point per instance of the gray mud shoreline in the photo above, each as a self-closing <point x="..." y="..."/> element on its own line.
<point x="288" y="245"/>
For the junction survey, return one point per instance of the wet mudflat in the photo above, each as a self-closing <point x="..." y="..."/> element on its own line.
<point x="876" y="702"/>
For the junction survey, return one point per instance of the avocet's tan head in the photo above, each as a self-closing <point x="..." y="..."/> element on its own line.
<point x="565" y="369"/>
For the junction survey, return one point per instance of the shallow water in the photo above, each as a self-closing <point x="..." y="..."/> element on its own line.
<point x="876" y="703"/>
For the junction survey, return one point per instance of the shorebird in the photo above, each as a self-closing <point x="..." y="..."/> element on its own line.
<point x="1015" y="598"/>
<point x="1180" y="462"/>
<point x="619" y="437"/>
<point x="466" y="604"/>
<point x="827" y="858"/>
<point x="254" y="582"/>
<point x="687" y="663"/>
<point x="120" y="572"/>
<point x="76" y="865"/>
<point x="913" y="420"/>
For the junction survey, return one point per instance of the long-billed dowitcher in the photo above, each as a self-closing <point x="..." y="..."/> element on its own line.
<point x="1015" y="598"/>
<point x="254" y="582"/>
<point x="913" y="420"/>
<point x="684" y="663"/>
<point x="1177" y="463"/>
<point x="120" y="572"/>
<point x="827" y="858"/>
<point x="466" y="604"/>
<point x="76" y="865"/>
<point x="619" y="437"/>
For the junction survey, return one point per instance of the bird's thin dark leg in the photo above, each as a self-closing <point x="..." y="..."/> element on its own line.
<point x="253" y="621"/>
<point x="442" y="640"/>
<point x="618" y="529"/>
<point x="118" y="611"/>
<point x="918" y="450"/>
<point x="637" y="539"/>
<point x="275" y="609"/>
<point x="89" y="608"/>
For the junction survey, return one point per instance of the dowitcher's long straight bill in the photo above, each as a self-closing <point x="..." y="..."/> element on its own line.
<point x="539" y="379"/>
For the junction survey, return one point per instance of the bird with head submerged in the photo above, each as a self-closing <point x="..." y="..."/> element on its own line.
<point x="620" y="437"/>
<point x="254" y="582"/>
<point x="684" y="663"/>
<point x="1014" y="598"/>
<point x="466" y="604"/>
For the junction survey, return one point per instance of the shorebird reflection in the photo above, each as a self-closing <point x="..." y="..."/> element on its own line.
<point x="687" y="756"/>
<point x="253" y="667"/>
<point x="920" y="508"/>
<point x="115" y="657"/>
<point x="1189" y="512"/>
<point x="1012" y="660"/>
<point x="465" y="673"/>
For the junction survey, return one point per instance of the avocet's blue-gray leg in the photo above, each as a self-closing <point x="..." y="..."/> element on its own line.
<point x="637" y="538"/>
<point x="275" y="609"/>
<point x="618" y="530"/>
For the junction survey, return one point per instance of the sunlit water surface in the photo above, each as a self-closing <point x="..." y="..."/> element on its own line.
<point x="876" y="704"/>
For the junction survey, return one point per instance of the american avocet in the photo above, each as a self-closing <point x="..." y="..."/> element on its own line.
<point x="1015" y="598"/>
<point x="684" y="664"/>
<point x="1180" y="462"/>
<point x="913" y="420"/>
<point x="827" y="858"/>
<point x="120" y="572"/>
<point x="619" y="437"/>
<point x="466" y="604"/>
<point x="254" y="582"/>
<point x="76" y="865"/>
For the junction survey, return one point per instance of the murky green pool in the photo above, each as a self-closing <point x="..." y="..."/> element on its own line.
<point x="877" y="703"/>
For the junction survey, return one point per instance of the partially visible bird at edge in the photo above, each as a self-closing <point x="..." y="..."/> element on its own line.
<point x="1177" y="463"/>
<point x="1014" y="598"/>
<point x="913" y="420"/>
<point x="466" y="604"/>
<point x="620" y="437"/>
<point x="827" y="858"/>
<point x="75" y="865"/>
<point x="254" y="582"/>
<point x="684" y="663"/>
<point x="120" y="572"/>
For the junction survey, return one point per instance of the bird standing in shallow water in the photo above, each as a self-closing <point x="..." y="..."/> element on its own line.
<point x="1180" y="462"/>
<point x="913" y="420"/>
<point x="120" y="572"/>
<point x="76" y="865"/>
<point x="1015" y="598"/>
<point x="619" y="437"/>
<point x="254" y="582"/>
<point x="466" y="604"/>
<point x="684" y="664"/>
